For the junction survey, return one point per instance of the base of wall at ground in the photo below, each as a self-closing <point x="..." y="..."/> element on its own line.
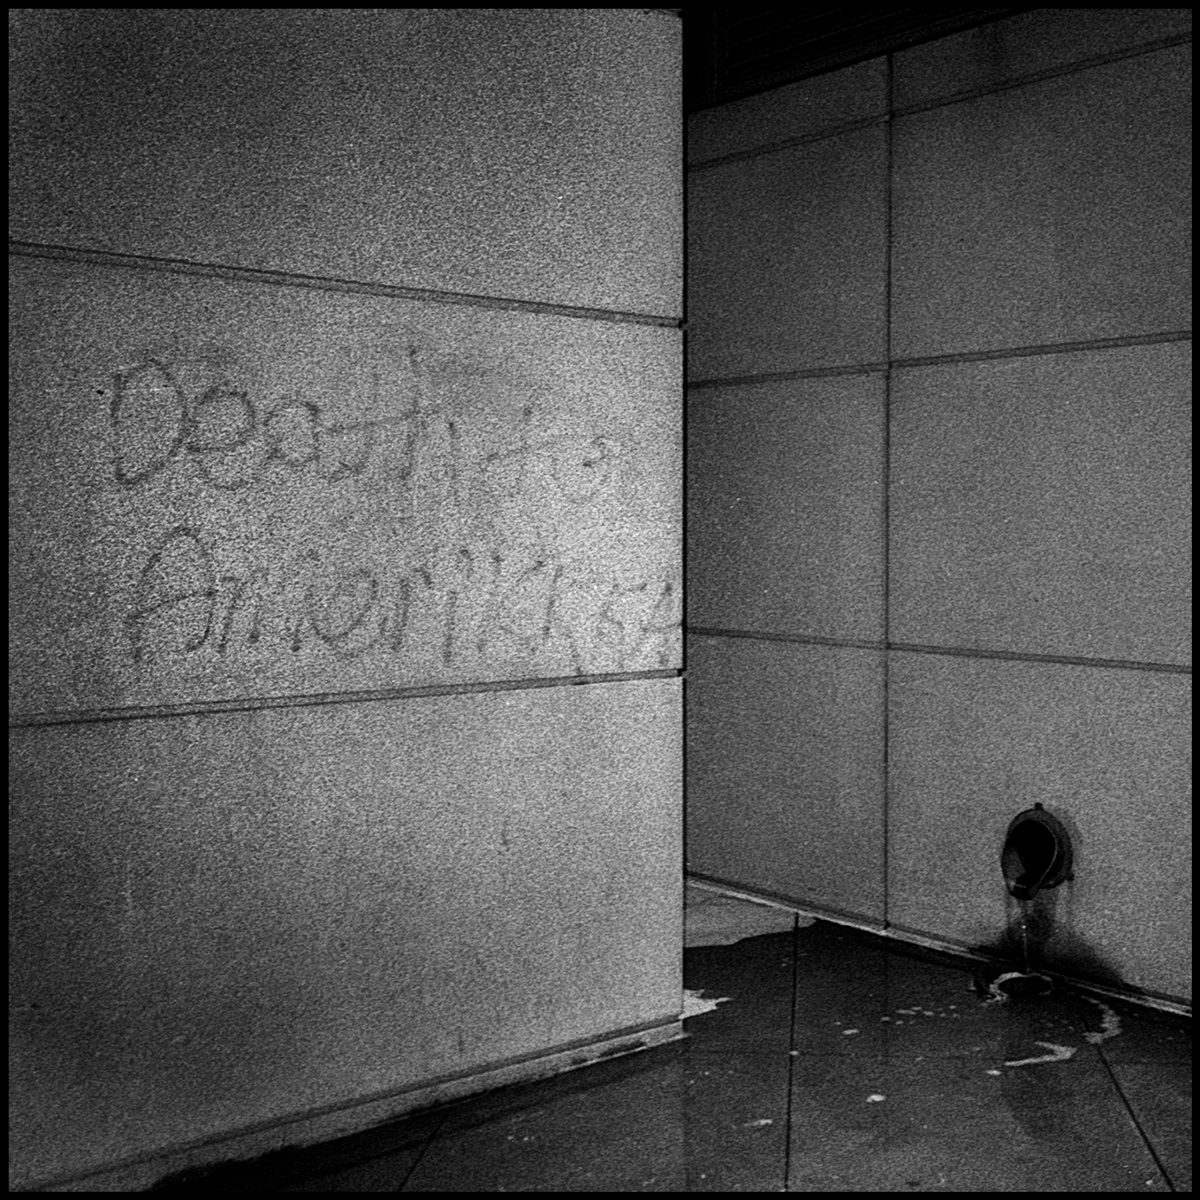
<point x="1159" y="1001"/>
<point x="313" y="1128"/>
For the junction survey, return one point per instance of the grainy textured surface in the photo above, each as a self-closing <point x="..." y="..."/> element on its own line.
<point x="1035" y="504"/>
<point x="234" y="918"/>
<point x="821" y="1060"/>
<point x="530" y="153"/>
<point x="787" y="259"/>
<point x="229" y="490"/>
<point x="1045" y="39"/>
<point x="1059" y="211"/>
<point x="225" y="492"/>
<point x="799" y="110"/>
<point x="785" y="769"/>
<point x="1042" y="505"/>
<point x="974" y="741"/>
<point x="784" y="505"/>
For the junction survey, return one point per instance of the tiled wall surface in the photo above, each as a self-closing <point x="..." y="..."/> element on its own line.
<point x="1041" y="504"/>
<point x="268" y="494"/>
<point x="785" y="769"/>
<point x="530" y="154"/>
<point x="230" y="919"/>
<point x="777" y="309"/>
<point x="785" y="507"/>
<point x="273" y="491"/>
<point x="1047" y="213"/>
<point x="971" y="740"/>
<point x="938" y="452"/>
<point x="802" y="110"/>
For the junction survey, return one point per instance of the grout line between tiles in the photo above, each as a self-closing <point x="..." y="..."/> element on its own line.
<point x="1137" y="1124"/>
<point x="804" y="139"/>
<point x="1068" y="660"/>
<point x="245" y="704"/>
<point x="1034" y="350"/>
<point x="682" y="458"/>
<point x="886" y="484"/>
<point x="1032" y="77"/>
<point x="800" y="639"/>
<point x="766" y="377"/>
<point x="322" y="283"/>
<point x="791" y="1071"/>
<point x="434" y="1135"/>
<point x="961" y="97"/>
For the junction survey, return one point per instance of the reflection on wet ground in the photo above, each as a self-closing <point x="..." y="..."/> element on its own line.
<point x="819" y="1059"/>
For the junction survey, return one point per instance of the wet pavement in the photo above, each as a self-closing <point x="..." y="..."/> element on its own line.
<point x="819" y="1059"/>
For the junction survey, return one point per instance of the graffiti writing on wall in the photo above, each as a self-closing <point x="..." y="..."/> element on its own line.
<point x="468" y="611"/>
<point x="439" y="525"/>
<point x="233" y="443"/>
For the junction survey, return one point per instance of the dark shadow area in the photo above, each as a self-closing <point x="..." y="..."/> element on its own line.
<point x="730" y="53"/>
<point x="403" y="1140"/>
<point x="295" y="1164"/>
<point x="775" y="1087"/>
<point x="1034" y="938"/>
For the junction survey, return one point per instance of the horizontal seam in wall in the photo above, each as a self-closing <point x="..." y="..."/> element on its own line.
<point x="961" y="97"/>
<point x="255" y="704"/>
<point x="844" y="916"/>
<point x="1069" y="660"/>
<point x="791" y="143"/>
<point x="952" y="651"/>
<point x="1081" y="347"/>
<point x="801" y="638"/>
<point x="874" y="368"/>
<point x="1018" y="81"/>
<point x="352" y="287"/>
<point x="897" y="931"/>
<point x="936" y="360"/>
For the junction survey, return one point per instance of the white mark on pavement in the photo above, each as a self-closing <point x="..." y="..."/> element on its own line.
<point x="1057" y="1054"/>
<point x="695" y="1003"/>
<point x="1110" y="1023"/>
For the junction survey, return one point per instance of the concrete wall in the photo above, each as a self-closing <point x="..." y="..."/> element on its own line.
<point x="938" y="540"/>
<point x="343" y="446"/>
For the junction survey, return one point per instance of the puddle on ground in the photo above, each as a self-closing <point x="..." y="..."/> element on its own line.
<point x="997" y="993"/>
<point x="714" y="919"/>
<point x="1110" y="1023"/>
<point x="696" y="1003"/>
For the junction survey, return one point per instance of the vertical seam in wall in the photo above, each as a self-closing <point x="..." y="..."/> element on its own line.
<point x="684" y="351"/>
<point x="885" y="476"/>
